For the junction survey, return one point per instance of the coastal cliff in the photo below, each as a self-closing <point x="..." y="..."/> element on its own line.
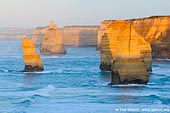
<point x="101" y="31"/>
<point x="126" y="53"/>
<point x="52" y="41"/>
<point x="71" y="35"/>
<point x="155" y="30"/>
<point x="32" y="60"/>
<point x="80" y="35"/>
<point x="38" y="34"/>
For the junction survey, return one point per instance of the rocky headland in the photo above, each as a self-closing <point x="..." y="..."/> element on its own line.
<point x="32" y="60"/>
<point x="155" y="30"/>
<point x="52" y="41"/>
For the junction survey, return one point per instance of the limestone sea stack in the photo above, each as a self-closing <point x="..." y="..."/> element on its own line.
<point x="52" y="41"/>
<point x="32" y="60"/>
<point x="126" y="53"/>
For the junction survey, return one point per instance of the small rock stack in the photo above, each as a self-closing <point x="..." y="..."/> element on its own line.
<point x="125" y="53"/>
<point x="32" y="60"/>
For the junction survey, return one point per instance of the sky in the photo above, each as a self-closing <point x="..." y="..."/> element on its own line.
<point x="33" y="13"/>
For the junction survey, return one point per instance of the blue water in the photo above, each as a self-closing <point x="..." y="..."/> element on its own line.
<point x="73" y="83"/>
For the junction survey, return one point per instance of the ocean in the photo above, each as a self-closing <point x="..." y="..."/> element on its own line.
<point x="73" y="83"/>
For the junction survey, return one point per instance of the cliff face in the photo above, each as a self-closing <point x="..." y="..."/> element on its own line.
<point x="80" y="35"/>
<point x="155" y="30"/>
<point x="32" y="60"/>
<point x="101" y="31"/>
<point x="38" y="34"/>
<point x="52" y="41"/>
<point x="71" y="35"/>
<point x="126" y="53"/>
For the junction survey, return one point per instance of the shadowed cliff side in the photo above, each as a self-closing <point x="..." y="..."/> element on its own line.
<point x="38" y="34"/>
<point x="126" y="53"/>
<point x="156" y="31"/>
<point x="161" y="47"/>
<point x="52" y="41"/>
<point x="32" y="60"/>
<point x="106" y="54"/>
<point x="102" y="31"/>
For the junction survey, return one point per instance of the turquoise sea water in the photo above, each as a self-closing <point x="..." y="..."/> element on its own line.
<point x="73" y="83"/>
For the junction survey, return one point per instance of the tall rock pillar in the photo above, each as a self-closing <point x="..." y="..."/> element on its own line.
<point x="32" y="60"/>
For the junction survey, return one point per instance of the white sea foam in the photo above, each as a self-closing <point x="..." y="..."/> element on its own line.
<point x="129" y="85"/>
<point x="137" y="94"/>
<point x="47" y="71"/>
<point x="163" y="59"/>
<point x="159" y="86"/>
<point x="46" y="56"/>
<point x="155" y="68"/>
<point x="45" y="91"/>
<point x="151" y="84"/>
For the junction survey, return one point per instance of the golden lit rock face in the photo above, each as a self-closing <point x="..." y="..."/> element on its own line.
<point x="52" y="41"/>
<point x="126" y="52"/>
<point x="32" y="60"/>
<point x="122" y="41"/>
<point x="155" y="30"/>
<point x="129" y="71"/>
<point x="152" y="28"/>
